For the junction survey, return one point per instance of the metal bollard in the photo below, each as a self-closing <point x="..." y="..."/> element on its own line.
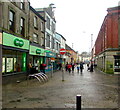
<point x="78" y="102"/>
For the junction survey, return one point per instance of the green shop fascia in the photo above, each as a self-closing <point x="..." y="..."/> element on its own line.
<point x="14" y="57"/>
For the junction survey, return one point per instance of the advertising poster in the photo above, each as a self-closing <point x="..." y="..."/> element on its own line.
<point x="9" y="67"/>
<point x="3" y="65"/>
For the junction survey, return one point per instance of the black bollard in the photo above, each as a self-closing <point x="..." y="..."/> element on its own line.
<point x="78" y="102"/>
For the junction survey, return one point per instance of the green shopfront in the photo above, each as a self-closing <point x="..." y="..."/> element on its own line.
<point x="36" y="56"/>
<point x="14" y="54"/>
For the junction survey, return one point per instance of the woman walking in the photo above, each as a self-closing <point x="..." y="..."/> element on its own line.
<point x="69" y="68"/>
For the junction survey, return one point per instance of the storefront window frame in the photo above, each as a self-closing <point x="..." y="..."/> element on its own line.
<point x="15" y="55"/>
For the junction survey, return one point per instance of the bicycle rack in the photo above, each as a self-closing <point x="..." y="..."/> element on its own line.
<point x="41" y="77"/>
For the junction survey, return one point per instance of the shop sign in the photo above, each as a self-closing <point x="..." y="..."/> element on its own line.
<point x="18" y="42"/>
<point x="51" y="54"/>
<point x="13" y="41"/>
<point x="36" y="51"/>
<point x="0" y="38"/>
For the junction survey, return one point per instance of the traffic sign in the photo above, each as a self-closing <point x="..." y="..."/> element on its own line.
<point x="62" y="51"/>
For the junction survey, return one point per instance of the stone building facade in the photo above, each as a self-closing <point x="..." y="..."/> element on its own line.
<point x="106" y="51"/>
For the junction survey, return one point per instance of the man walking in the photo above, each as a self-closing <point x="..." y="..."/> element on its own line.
<point x="81" y="67"/>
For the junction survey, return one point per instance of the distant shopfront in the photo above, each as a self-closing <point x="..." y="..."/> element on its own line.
<point x="14" y="54"/>
<point x="36" y="56"/>
<point x="50" y="61"/>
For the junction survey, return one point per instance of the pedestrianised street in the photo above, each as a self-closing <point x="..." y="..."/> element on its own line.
<point x="97" y="90"/>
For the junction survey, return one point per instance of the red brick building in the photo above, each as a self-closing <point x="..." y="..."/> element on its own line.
<point x="107" y="46"/>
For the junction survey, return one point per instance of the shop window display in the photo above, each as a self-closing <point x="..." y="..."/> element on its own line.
<point x="12" y="61"/>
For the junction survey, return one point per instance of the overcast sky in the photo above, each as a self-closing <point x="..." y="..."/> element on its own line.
<point x="76" y="20"/>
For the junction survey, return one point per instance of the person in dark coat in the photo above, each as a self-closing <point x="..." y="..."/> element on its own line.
<point x="91" y="67"/>
<point x="78" y="68"/>
<point x="81" y="67"/>
<point x="66" y="68"/>
<point x="73" y="66"/>
<point x="42" y="67"/>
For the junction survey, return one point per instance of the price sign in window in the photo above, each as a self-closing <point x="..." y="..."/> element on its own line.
<point x="9" y="67"/>
<point x="3" y="65"/>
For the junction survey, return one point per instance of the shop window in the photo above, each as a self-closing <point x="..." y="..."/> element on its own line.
<point x="11" y="20"/>
<point x="117" y="63"/>
<point x="9" y="65"/>
<point x="3" y="65"/>
<point x="22" y="26"/>
<point x="13" y="62"/>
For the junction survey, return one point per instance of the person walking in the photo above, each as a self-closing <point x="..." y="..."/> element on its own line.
<point x="73" y="66"/>
<point x="66" y="66"/>
<point x="69" y="68"/>
<point x="81" y="67"/>
<point x="78" y="68"/>
<point x="91" y="67"/>
<point x="42" y="67"/>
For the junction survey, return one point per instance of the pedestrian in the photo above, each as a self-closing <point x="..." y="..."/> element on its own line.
<point x="42" y="67"/>
<point x="91" y="67"/>
<point x="66" y="68"/>
<point x="78" y="68"/>
<point x="69" y="68"/>
<point x="29" y="67"/>
<point x="29" y="70"/>
<point x="36" y="67"/>
<point x="73" y="66"/>
<point x="81" y="67"/>
<point x="60" y="66"/>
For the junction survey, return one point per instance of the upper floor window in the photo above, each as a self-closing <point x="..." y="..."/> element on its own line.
<point x="48" y="41"/>
<point x="42" y="41"/>
<point x="13" y="1"/>
<point x="35" y="22"/>
<point x="48" y="23"/>
<point x="12" y="20"/>
<point x="42" y="26"/>
<point x="53" y="27"/>
<point x="35" y="38"/>
<point x="22" y="26"/>
<point x="57" y="45"/>
<point x="22" y="6"/>
<point x="52" y="43"/>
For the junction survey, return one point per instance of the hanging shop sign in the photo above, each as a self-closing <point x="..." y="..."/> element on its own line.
<point x="36" y="51"/>
<point x="13" y="41"/>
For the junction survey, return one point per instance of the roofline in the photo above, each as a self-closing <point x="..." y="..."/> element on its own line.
<point x="61" y="36"/>
<point x="32" y="9"/>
